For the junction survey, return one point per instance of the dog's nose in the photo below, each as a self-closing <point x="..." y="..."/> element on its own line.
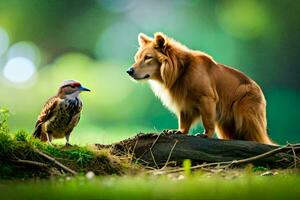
<point x="130" y="71"/>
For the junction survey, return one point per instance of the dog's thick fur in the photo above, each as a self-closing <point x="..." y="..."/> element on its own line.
<point x="194" y="86"/>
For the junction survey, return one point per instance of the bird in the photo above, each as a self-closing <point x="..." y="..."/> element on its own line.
<point x="61" y="113"/>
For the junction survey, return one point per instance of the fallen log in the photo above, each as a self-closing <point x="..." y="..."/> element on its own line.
<point x="160" y="150"/>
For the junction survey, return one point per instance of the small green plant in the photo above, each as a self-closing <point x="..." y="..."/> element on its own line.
<point x="259" y="169"/>
<point x="82" y="156"/>
<point x="22" y="136"/>
<point x="187" y="166"/>
<point x="4" y="114"/>
<point x="5" y="140"/>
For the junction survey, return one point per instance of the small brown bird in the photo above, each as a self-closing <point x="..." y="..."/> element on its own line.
<point x="61" y="113"/>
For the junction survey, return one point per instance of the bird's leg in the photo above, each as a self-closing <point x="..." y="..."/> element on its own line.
<point x="67" y="140"/>
<point x="49" y="139"/>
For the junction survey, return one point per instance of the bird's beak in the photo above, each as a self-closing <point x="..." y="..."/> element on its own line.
<point x="84" y="89"/>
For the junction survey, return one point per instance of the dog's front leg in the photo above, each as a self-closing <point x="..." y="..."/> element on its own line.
<point x="185" y="120"/>
<point x="208" y="115"/>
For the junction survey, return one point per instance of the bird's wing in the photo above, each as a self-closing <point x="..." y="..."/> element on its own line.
<point x="47" y="110"/>
<point x="73" y="123"/>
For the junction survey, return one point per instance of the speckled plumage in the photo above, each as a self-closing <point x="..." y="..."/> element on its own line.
<point x="59" y="116"/>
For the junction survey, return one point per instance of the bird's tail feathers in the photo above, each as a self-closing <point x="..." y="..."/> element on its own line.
<point x="38" y="131"/>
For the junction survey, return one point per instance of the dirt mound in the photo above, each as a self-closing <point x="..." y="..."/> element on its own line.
<point x="24" y="157"/>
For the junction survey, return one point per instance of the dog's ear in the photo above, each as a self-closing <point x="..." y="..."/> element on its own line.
<point x="160" y="40"/>
<point x="143" y="39"/>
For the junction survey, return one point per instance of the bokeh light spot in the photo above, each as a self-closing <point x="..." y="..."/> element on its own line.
<point x="19" y="69"/>
<point x="25" y="49"/>
<point x="243" y="19"/>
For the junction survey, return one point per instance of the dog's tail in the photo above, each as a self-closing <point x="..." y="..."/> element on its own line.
<point x="253" y="127"/>
<point x="247" y="121"/>
<point x="250" y="129"/>
<point x="250" y="117"/>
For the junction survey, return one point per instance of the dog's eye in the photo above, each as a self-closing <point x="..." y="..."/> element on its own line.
<point x="147" y="57"/>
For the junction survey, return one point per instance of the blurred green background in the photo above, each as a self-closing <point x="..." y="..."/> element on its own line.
<point x="43" y="42"/>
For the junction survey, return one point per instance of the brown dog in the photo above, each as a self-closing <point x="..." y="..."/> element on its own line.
<point x="194" y="86"/>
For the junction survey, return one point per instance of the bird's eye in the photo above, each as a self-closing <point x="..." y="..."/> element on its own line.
<point x="148" y="57"/>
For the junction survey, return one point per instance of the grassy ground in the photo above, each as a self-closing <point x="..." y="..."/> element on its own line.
<point x="197" y="186"/>
<point x="22" y="156"/>
<point x="116" y="179"/>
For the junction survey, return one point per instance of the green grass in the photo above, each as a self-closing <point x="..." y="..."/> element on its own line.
<point x="15" y="148"/>
<point x="154" y="187"/>
<point x="24" y="182"/>
<point x="20" y="146"/>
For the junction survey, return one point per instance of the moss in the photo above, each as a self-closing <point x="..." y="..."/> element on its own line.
<point x="20" y="146"/>
<point x="80" y="159"/>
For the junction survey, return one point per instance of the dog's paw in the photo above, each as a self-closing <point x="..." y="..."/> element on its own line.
<point x="170" y="132"/>
<point x="202" y="135"/>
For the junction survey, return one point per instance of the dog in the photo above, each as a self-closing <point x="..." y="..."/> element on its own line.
<point x="195" y="87"/>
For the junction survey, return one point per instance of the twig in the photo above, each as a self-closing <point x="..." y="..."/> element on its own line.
<point x="294" y="154"/>
<point x="150" y="168"/>
<point x="132" y="153"/>
<point x="155" y="141"/>
<point x="150" y="149"/>
<point x="229" y="163"/>
<point x="30" y="162"/>
<point x="55" y="162"/>
<point x="170" y="154"/>
<point x="153" y="158"/>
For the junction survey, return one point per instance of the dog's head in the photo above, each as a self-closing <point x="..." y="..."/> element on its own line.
<point x="153" y="60"/>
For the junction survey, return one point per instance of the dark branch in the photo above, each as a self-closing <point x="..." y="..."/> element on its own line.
<point x="154" y="150"/>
